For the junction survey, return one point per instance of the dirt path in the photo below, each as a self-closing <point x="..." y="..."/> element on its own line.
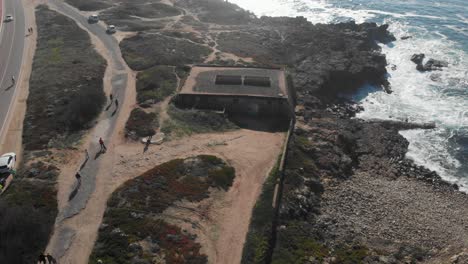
<point x="76" y="225"/>
<point x="253" y="154"/>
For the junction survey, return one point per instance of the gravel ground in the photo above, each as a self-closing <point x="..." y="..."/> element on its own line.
<point x="381" y="211"/>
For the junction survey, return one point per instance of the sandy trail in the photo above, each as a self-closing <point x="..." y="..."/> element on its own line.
<point x="76" y="225"/>
<point x="252" y="153"/>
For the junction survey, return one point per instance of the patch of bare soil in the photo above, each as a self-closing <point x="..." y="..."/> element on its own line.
<point x="222" y="221"/>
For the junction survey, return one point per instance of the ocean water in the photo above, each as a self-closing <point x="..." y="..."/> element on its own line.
<point x="439" y="28"/>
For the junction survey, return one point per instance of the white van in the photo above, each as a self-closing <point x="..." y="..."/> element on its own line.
<point x="93" y="19"/>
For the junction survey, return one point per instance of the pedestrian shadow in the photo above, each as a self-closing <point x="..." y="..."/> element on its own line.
<point x="107" y="108"/>
<point x="84" y="163"/>
<point x="98" y="154"/>
<point x="74" y="192"/>
<point x="115" y="111"/>
<point x="9" y="87"/>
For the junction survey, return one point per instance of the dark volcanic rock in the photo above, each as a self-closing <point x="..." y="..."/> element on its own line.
<point x="418" y="58"/>
<point x="323" y="58"/>
<point x="430" y="65"/>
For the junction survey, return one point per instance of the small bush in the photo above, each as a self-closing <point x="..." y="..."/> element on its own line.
<point x="141" y="124"/>
<point x="350" y="255"/>
<point x="144" y="51"/>
<point x="187" y="122"/>
<point x="149" y="195"/>
<point x="27" y="215"/>
<point x="223" y="177"/>
<point x="155" y="84"/>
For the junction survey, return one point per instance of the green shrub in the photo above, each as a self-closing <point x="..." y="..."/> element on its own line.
<point x="223" y="177"/>
<point x="190" y="121"/>
<point x="155" y="84"/>
<point x="27" y="216"/>
<point x="149" y="195"/>
<point x="66" y="87"/>
<point x="141" y="124"/>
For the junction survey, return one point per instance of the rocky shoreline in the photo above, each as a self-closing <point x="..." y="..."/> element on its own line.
<point x="350" y="195"/>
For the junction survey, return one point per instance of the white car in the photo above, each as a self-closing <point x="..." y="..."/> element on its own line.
<point x="7" y="162"/>
<point x="8" y="18"/>
<point x="111" y="29"/>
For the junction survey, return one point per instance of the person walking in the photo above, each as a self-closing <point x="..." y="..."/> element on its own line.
<point x="111" y="97"/>
<point x="86" y="154"/>
<point x="50" y="259"/>
<point x="101" y="143"/>
<point x="13" y="80"/>
<point x="116" y="103"/>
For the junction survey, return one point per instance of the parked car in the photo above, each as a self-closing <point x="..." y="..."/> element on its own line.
<point x="111" y="29"/>
<point x="8" y="18"/>
<point x="93" y="19"/>
<point x="7" y="162"/>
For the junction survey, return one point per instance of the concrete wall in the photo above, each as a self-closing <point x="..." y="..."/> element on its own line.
<point x="248" y="105"/>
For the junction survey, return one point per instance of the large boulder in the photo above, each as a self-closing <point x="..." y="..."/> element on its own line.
<point x="418" y="58"/>
<point x="430" y="65"/>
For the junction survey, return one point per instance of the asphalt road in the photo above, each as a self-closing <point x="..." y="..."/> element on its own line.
<point x="11" y="55"/>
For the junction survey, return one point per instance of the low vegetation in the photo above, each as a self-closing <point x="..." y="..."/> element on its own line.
<point x="133" y="230"/>
<point x="65" y="92"/>
<point x="147" y="50"/>
<point x="155" y="84"/>
<point x="185" y="122"/>
<point x="141" y="124"/>
<point x="65" y="95"/>
<point x="132" y="15"/>
<point x="89" y="5"/>
<point x="146" y="10"/>
<point x="28" y="211"/>
<point x="220" y="12"/>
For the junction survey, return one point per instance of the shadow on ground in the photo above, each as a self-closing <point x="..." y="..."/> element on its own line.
<point x="257" y="123"/>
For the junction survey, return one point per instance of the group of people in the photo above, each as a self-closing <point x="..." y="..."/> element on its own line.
<point x="30" y="30"/>
<point x="46" y="259"/>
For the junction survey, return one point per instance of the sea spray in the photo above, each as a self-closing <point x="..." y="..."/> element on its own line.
<point x="436" y="28"/>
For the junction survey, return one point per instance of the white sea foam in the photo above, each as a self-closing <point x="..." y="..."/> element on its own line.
<point x="416" y="96"/>
<point x="316" y="11"/>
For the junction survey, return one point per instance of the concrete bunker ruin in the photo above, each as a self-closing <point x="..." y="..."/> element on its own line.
<point x="253" y="92"/>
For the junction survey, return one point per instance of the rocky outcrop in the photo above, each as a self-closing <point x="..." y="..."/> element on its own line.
<point x="430" y="65"/>
<point x="322" y="58"/>
<point x="418" y="58"/>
